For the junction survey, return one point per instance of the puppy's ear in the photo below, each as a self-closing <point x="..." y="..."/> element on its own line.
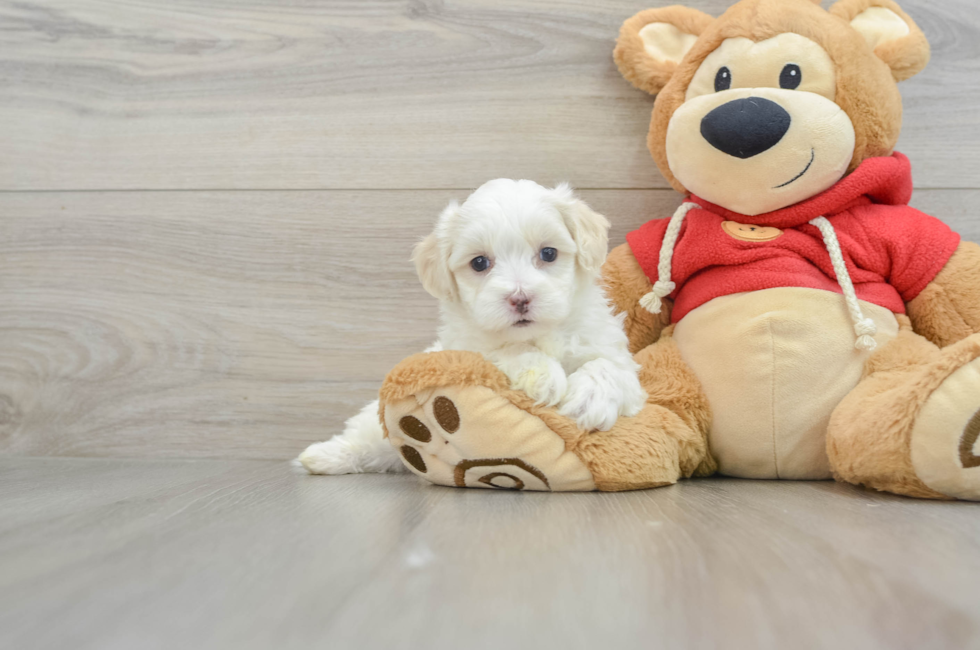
<point x="588" y="228"/>
<point x="653" y="42"/>
<point x="894" y="37"/>
<point x="431" y="259"/>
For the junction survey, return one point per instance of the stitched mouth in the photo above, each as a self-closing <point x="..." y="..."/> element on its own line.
<point x="813" y="155"/>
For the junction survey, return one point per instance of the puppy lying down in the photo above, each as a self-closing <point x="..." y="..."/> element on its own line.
<point x="516" y="269"/>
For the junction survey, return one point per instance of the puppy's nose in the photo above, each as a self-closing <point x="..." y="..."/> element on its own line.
<point x="745" y="127"/>
<point x="520" y="303"/>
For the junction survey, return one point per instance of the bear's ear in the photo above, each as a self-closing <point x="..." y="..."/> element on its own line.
<point x="894" y="37"/>
<point x="654" y="41"/>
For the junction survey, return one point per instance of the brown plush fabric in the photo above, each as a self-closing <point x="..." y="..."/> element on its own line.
<point x="450" y="368"/>
<point x="671" y="383"/>
<point x="640" y="453"/>
<point x="639" y="68"/>
<point x="907" y="56"/>
<point x="948" y="309"/>
<point x="666" y="441"/>
<point x="868" y="440"/>
<point x="866" y="87"/>
<point x="625" y="284"/>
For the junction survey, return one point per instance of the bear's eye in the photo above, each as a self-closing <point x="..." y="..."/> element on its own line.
<point x="548" y="254"/>
<point x="723" y="80"/>
<point x="480" y="264"/>
<point x="791" y="77"/>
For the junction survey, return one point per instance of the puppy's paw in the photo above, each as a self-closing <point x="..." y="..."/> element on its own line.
<point x="599" y="393"/>
<point x="589" y="407"/>
<point x="346" y="455"/>
<point x="544" y="382"/>
<point x="335" y="456"/>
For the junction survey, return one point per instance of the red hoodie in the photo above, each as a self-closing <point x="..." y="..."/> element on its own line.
<point x="891" y="250"/>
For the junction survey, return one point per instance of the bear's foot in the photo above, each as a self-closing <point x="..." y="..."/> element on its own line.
<point x="475" y="431"/>
<point x="455" y="421"/>
<point x="474" y="437"/>
<point x="911" y="425"/>
<point x="944" y="438"/>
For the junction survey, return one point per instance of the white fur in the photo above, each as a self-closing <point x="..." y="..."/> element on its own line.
<point x="573" y="353"/>
<point x="359" y="449"/>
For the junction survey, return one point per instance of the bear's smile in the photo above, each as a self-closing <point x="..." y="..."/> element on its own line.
<point x="813" y="156"/>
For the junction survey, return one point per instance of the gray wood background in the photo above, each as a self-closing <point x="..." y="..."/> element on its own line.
<point x="207" y="206"/>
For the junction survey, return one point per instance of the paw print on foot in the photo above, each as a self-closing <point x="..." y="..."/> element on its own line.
<point x="474" y="437"/>
<point x="422" y="437"/>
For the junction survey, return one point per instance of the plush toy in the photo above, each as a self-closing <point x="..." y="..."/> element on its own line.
<point x="794" y="319"/>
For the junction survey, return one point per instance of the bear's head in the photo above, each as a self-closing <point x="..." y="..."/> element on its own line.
<point x="776" y="100"/>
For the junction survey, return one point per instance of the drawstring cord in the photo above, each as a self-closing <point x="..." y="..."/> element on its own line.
<point x="663" y="287"/>
<point x="864" y="327"/>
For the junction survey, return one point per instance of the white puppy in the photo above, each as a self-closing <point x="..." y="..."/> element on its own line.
<point x="516" y="269"/>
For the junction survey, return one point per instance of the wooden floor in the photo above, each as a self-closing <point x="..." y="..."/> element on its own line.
<point x="206" y="212"/>
<point x="246" y="554"/>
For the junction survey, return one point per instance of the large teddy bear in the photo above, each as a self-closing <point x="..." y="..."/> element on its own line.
<point x="794" y="319"/>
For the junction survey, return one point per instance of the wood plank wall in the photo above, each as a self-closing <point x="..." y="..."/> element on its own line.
<point x="207" y="206"/>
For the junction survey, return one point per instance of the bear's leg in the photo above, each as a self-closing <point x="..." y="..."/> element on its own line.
<point x="668" y="440"/>
<point x="455" y="421"/>
<point x="911" y="425"/>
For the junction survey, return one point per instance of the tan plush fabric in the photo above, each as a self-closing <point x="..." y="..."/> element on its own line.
<point x="948" y="309"/>
<point x="625" y="284"/>
<point x="774" y="364"/>
<point x="744" y="185"/>
<point x="869" y="438"/>
<point x="757" y="64"/>
<point x="495" y="444"/>
<point x="944" y="437"/>
<point x="421" y="371"/>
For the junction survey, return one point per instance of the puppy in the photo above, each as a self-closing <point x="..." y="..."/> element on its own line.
<point x="516" y="269"/>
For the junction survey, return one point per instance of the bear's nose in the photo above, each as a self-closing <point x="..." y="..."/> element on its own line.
<point x="745" y="127"/>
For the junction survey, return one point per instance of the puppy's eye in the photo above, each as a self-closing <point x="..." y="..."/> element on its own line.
<point x="723" y="80"/>
<point x="791" y="77"/>
<point x="548" y="254"/>
<point x="480" y="264"/>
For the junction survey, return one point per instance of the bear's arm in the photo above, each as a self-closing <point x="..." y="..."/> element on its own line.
<point x="625" y="284"/>
<point x="948" y="309"/>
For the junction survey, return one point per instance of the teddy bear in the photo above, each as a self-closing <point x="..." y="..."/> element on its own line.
<point x="793" y="319"/>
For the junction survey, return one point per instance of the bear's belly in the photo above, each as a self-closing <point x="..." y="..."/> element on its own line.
<point x="774" y="365"/>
